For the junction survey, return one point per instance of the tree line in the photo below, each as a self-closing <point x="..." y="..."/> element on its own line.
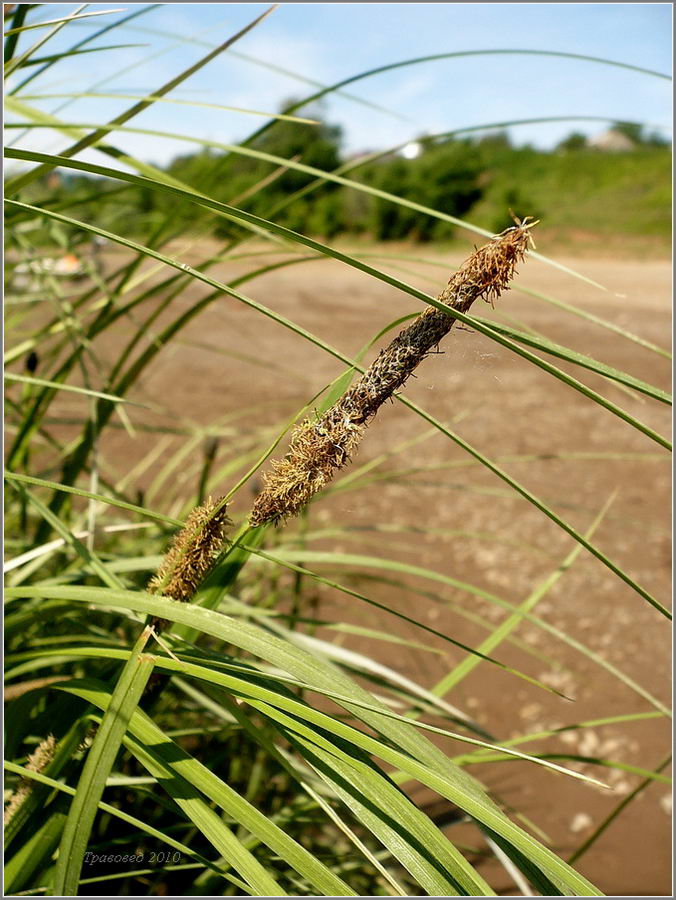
<point x="483" y="177"/>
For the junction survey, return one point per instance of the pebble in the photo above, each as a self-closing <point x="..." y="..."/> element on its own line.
<point x="581" y="821"/>
<point x="530" y="710"/>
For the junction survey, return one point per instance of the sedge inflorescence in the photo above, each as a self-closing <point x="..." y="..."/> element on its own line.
<point x="192" y="552"/>
<point x="37" y="762"/>
<point x="321" y="446"/>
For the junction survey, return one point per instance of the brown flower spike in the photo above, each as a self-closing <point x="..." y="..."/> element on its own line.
<point x="321" y="446"/>
<point x="192" y="552"/>
<point x="37" y="762"/>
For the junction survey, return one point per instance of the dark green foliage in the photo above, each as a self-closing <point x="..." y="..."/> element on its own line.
<point x="632" y="130"/>
<point x="233" y="179"/>
<point x="575" y="141"/>
<point x="444" y="176"/>
<point x="637" y="133"/>
<point x="589" y="190"/>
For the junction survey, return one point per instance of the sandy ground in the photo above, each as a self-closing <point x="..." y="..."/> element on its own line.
<point x="558" y="443"/>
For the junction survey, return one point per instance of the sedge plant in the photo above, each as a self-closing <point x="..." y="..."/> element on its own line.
<point x="202" y="677"/>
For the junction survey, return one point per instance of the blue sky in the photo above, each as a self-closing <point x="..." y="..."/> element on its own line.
<point x="328" y="42"/>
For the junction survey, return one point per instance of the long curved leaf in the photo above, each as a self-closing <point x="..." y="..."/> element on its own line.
<point x="426" y="763"/>
<point x="139" y="824"/>
<point x="123" y="702"/>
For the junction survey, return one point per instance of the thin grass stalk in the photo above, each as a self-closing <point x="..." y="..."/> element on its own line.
<point x="598" y="831"/>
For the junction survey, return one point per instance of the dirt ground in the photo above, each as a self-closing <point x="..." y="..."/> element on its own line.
<point x="563" y="447"/>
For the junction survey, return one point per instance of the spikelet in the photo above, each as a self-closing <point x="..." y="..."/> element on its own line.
<point x="37" y="762"/>
<point x="321" y="446"/>
<point x="192" y="552"/>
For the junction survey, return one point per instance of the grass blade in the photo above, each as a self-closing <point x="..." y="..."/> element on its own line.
<point x="158" y="99"/>
<point x="100" y="498"/>
<point x="124" y="817"/>
<point x="427" y="763"/>
<point x="610" y="818"/>
<point x="579" y="359"/>
<point x="454" y="677"/>
<point x="64" y="21"/>
<point x="22" y="181"/>
<point x="100" y="759"/>
<point x="87" y="392"/>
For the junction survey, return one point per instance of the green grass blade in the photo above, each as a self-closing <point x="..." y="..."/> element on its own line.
<point x="156" y="99"/>
<point x="579" y="359"/>
<point x="208" y="823"/>
<point x="18" y="17"/>
<point x="262" y="739"/>
<point x="562" y="523"/>
<point x="55" y="57"/>
<point x="22" y="181"/>
<point x="64" y="21"/>
<point x="597" y="320"/>
<point x="87" y="392"/>
<point x="21" y="866"/>
<point x="89" y="495"/>
<point x="91" y="560"/>
<point x="488" y="645"/>
<point x="123" y="702"/>
<point x="294" y="567"/>
<point x="610" y="818"/>
<point x="435" y="863"/>
<point x="426" y="763"/>
<point x="144" y="730"/>
<point x="554" y="732"/>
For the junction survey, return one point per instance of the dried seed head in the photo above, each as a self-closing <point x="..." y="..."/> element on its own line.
<point x="192" y="552"/>
<point x="321" y="446"/>
<point x="37" y="762"/>
<point x="317" y="448"/>
<point x="487" y="273"/>
<point x="42" y="755"/>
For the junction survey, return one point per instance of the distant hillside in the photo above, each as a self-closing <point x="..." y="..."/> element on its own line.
<point x="586" y="196"/>
<point x="582" y="191"/>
